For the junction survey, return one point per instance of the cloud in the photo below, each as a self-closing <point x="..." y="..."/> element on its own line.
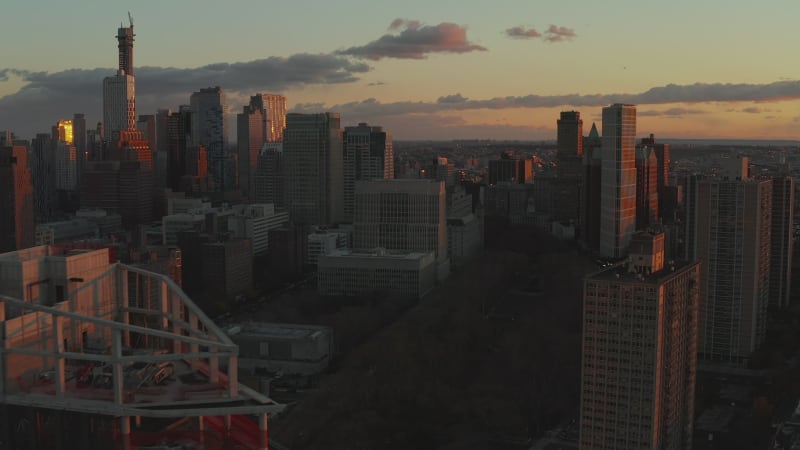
<point x="521" y="32"/>
<point x="456" y="98"/>
<point x="49" y="96"/>
<point x="376" y="83"/>
<point x="559" y="34"/>
<point x="752" y="110"/>
<point x="415" y="41"/>
<point x="672" y="112"/>
<point x="688" y="94"/>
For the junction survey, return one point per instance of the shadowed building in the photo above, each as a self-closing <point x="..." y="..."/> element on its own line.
<point x="16" y="199"/>
<point x="314" y="172"/>
<point x="782" y="238"/>
<point x="368" y="155"/>
<point x="590" y="190"/>
<point x="728" y="220"/>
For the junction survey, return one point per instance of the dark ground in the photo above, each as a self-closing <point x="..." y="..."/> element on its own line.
<point x="491" y="356"/>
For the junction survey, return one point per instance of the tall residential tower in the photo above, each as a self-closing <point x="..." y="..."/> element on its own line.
<point x="639" y="352"/>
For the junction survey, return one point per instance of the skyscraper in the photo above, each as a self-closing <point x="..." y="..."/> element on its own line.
<point x="250" y="140"/>
<point x="639" y="352"/>
<point x="209" y="130"/>
<point x="368" y="155"/>
<point x="567" y="188"/>
<point x="79" y="141"/>
<point x="125" y="45"/>
<point x="42" y="165"/>
<point x="646" y="186"/>
<point x="273" y="107"/>
<point x="314" y="172"/>
<point x="618" y="180"/>
<point x="119" y="91"/>
<point x="269" y="176"/>
<point x="782" y="241"/>
<point x="590" y="190"/>
<point x="570" y="134"/>
<point x="66" y="157"/>
<point x="728" y="220"/>
<point x="16" y="199"/>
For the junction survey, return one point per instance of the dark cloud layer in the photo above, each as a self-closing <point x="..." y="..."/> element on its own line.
<point x="672" y="93"/>
<point x="49" y="96"/>
<point x="415" y="41"/>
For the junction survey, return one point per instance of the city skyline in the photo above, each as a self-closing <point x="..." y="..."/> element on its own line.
<point x="440" y="72"/>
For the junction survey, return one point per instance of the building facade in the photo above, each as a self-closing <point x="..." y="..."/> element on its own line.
<point x="314" y="168"/>
<point x="273" y="107"/>
<point x="250" y="139"/>
<point x="728" y="220"/>
<point x="368" y="155"/>
<point x="405" y="274"/>
<point x="639" y="352"/>
<point x="618" y="180"/>
<point x="16" y="199"/>
<point x="209" y="130"/>
<point x="782" y="241"/>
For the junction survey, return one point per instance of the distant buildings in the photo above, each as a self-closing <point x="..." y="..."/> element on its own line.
<point x="618" y="180"/>
<point x="510" y="168"/>
<point x="314" y="168"/>
<point x="269" y="176"/>
<point x="639" y="352"/>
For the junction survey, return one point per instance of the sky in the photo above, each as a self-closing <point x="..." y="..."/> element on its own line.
<point x="423" y="69"/>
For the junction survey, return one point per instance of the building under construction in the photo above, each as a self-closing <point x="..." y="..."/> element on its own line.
<point x="99" y="355"/>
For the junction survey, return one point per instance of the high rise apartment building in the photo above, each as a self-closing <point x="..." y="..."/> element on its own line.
<point x="368" y="155"/>
<point x="639" y="352"/>
<point x="782" y="241"/>
<point x="618" y="180"/>
<point x="314" y="168"/>
<point x="16" y="199"/>
<point x="273" y="108"/>
<point x="209" y="130"/>
<point x="728" y="225"/>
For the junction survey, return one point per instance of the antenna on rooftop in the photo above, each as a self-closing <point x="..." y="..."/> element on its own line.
<point x="130" y="18"/>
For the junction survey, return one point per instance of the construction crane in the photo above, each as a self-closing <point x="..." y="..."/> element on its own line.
<point x="130" y="19"/>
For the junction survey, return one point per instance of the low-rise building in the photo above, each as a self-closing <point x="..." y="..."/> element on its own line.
<point x="290" y="349"/>
<point x="349" y="273"/>
<point x="254" y="222"/>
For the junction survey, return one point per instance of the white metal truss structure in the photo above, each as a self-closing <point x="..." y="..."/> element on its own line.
<point x="125" y="343"/>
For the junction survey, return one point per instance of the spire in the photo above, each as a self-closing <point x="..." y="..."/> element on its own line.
<point x="593" y="134"/>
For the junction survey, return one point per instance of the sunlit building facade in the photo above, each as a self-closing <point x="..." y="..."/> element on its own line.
<point x="618" y="180"/>
<point x="639" y="352"/>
